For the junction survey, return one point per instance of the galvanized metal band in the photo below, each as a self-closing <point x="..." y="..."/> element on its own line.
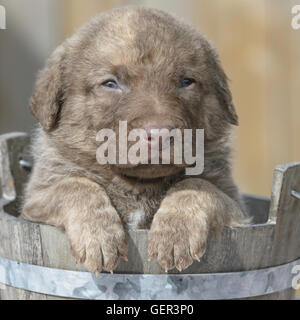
<point x="84" y="285"/>
<point x="295" y="194"/>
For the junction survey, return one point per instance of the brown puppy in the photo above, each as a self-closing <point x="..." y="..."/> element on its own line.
<point x="147" y="68"/>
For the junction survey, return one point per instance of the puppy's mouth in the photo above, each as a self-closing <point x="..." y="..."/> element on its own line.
<point x="149" y="172"/>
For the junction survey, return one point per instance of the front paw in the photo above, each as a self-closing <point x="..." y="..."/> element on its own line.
<point x="177" y="237"/>
<point x="98" y="243"/>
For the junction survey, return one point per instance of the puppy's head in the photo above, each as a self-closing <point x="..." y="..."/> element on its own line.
<point x="137" y="65"/>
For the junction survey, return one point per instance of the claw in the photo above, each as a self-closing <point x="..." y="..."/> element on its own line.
<point x="166" y="270"/>
<point x="111" y="272"/>
<point x="197" y="258"/>
<point x="124" y="257"/>
<point x="151" y="257"/>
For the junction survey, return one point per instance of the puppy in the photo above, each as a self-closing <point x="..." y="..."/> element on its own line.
<point x="145" y="67"/>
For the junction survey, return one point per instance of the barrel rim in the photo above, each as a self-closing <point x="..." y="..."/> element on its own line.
<point x="85" y="285"/>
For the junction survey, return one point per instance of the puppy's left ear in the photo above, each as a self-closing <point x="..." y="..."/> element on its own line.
<point x="222" y="91"/>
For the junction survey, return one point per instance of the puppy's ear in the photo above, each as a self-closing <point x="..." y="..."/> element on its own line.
<point x="48" y="92"/>
<point x="222" y="91"/>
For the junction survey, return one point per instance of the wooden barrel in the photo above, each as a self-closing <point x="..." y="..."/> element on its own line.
<point x="258" y="261"/>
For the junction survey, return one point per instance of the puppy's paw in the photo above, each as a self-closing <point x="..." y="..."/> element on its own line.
<point x="177" y="237"/>
<point x="99" y="243"/>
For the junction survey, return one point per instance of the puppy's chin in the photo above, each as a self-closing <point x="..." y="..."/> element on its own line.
<point x="149" y="172"/>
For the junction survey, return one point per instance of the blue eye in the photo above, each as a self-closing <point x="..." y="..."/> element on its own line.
<point x="112" y="84"/>
<point x="186" y="83"/>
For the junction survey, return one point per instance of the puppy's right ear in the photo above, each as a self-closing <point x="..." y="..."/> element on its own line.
<point x="48" y="92"/>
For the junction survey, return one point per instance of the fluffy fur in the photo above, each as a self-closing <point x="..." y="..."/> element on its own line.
<point x="148" y="53"/>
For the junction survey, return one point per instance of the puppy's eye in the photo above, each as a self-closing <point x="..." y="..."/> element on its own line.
<point x="186" y="83"/>
<point x="112" y="84"/>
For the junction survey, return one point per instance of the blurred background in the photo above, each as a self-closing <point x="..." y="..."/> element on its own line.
<point x="259" y="50"/>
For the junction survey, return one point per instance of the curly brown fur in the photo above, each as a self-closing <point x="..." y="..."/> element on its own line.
<point x="148" y="52"/>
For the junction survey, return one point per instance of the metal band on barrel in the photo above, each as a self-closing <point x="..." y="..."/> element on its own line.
<point x="84" y="285"/>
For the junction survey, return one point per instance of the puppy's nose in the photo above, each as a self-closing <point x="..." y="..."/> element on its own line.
<point x="154" y="133"/>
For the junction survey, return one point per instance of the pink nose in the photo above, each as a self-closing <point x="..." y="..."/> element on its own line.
<point x="154" y="133"/>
